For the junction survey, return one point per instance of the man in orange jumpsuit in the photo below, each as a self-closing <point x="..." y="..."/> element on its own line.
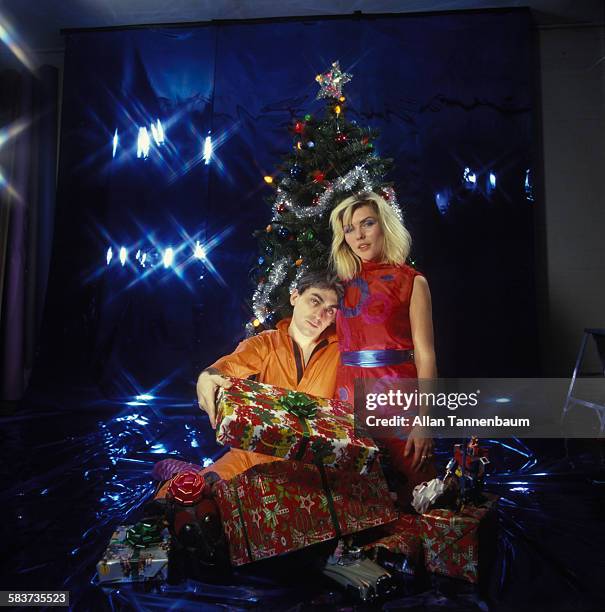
<point x="301" y="354"/>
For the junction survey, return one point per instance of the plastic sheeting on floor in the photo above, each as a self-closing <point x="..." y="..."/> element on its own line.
<point x="74" y="468"/>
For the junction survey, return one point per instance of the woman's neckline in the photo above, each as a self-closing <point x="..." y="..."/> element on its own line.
<point x="374" y="265"/>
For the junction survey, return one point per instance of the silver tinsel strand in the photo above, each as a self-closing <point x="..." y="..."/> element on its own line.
<point x="263" y="292"/>
<point x="344" y="183"/>
<point x="301" y="270"/>
<point x="391" y="198"/>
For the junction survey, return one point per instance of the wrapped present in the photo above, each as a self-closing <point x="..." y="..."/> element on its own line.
<point x="452" y="540"/>
<point x="135" y="554"/>
<point x="278" y="507"/>
<point x="399" y="545"/>
<point x="291" y="425"/>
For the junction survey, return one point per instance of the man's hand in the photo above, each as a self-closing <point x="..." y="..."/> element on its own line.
<point x="422" y="445"/>
<point x="206" y="388"/>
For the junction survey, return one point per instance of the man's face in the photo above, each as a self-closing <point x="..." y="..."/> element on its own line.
<point x="314" y="310"/>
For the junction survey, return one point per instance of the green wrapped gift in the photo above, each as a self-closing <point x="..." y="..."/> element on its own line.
<point x="136" y="553"/>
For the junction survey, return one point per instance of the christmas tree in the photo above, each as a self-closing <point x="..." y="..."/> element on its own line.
<point x="332" y="158"/>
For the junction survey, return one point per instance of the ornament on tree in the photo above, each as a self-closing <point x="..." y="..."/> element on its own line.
<point x="331" y="82"/>
<point x="261" y="260"/>
<point x="298" y="262"/>
<point x="269" y="229"/>
<point x="306" y="236"/>
<point x="283" y="232"/>
<point x="268" y="179"/>
<point x="299" y="127"/>
<point x="310" y="144"/>
<point x="307" y="117"/>
<point x="318" y="176"/>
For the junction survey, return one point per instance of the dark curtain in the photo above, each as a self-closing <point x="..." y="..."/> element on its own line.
<point x="28" y="160"/>
<point x="447" y="92"/>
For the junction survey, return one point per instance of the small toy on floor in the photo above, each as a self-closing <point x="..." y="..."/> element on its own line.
<point x="462" y="483"/>
<point x="364" y="579"/>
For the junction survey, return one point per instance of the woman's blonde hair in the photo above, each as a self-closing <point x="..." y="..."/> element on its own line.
<point x="397" y="239"/>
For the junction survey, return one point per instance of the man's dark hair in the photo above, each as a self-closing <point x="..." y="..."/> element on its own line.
<point x="321" y="279"/>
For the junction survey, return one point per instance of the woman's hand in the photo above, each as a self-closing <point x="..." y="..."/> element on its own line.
<point x="421" y="445"/>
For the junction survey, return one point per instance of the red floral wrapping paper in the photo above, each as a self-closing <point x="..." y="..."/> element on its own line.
<point x="451" y="539"/>
<point x="278" y="507"/>
<point x="400" y="537"/>
<point x="250" y="417"/>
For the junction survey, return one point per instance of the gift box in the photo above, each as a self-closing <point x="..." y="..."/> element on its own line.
<point x="291" y="425"/>
<point x="278" y="507"/>
<point x="402" y="536"/>
<point x="135" y="554"/>
<point x="452" y="541"/>
<point x="398" y="545"/>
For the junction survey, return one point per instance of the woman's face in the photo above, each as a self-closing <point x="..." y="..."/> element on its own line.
<point x="364" y="234"/>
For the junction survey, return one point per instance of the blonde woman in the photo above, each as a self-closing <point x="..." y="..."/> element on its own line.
<point x="384" y="322"/>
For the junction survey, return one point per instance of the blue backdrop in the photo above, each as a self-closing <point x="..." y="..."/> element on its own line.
<point x="451" y="95"/>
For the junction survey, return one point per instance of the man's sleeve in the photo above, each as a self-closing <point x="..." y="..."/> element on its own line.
<point x="247" y="359"/>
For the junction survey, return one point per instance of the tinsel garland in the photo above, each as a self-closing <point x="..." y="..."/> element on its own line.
<point x="262" y="295"/>
<point x="344" y="183"/>
<point x="294" y="284"/>
<point x="263" y="292"/>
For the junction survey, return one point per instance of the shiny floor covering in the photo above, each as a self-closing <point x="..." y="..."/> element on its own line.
<point x="75" y="466"/>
